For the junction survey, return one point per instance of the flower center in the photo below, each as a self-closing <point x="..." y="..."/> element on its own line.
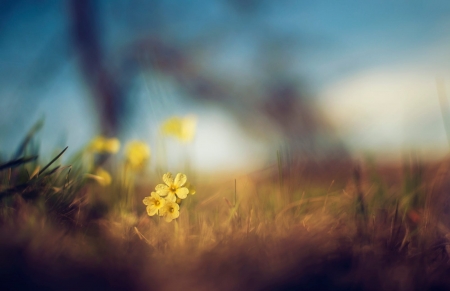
<point x="157" y="202"/>
<point x="171" y="210"/>
<point x="173" y="188"/>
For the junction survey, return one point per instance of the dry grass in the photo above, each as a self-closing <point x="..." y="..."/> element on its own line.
<point x="298" y="226"/>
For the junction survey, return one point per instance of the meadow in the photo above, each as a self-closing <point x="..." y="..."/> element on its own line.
<point x="101" y="220"/>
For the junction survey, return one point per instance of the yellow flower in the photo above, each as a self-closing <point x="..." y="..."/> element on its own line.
<point x="170" y="211"/>
<point x="181" y="128"/>
<point x="105" y="177"/>
<point x="137" y="154"/>
<point x="102" y="144"/>
<point x="171" y="187"/>
<point x="154" y="203"/>
<point x="101" y="176"/>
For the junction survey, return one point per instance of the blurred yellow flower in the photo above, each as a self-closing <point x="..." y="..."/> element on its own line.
<point x="101" y="176"/>
<point x="170" y="211"/>
<point x="137" y="154"/>
<point x="105" y="177"/>
<point x="191" y="188"/>
<point x="172" y="187"/>
<point x="154" y="203"/>
<point x="181" y="128"/>
<point x="102" y="144"/>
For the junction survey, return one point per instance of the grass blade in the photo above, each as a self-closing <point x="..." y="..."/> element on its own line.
<point x="28" y="137"/>
<point x="52" y="161"/>
<point x="17" y="162"/>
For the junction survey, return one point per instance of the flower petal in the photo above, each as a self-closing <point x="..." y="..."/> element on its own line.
<point x="147" y="200"/>
<point x="168" y="179"/>
<point x="182" y="192"/>
<point x="168" y="217"/>
<point x="174" y="215"/>
<point x="171" y="197"/>
<point x="180" y="180"/>
<point x="151" y="210"/>
<point x="162" y="202"/>
<point x="155" y="195"/>
<point x="171" y="216"/>
<point x="162" y="189"/>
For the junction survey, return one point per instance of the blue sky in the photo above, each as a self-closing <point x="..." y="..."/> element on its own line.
<point x="345" y="51"/>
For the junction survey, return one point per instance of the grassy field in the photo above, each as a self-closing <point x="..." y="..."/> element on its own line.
<point x="299" y="225"/>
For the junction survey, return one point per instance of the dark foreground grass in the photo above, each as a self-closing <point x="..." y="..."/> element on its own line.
<point x="308" y="226"/>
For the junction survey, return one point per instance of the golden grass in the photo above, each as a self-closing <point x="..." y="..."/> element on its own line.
<point x="298" y="226"/>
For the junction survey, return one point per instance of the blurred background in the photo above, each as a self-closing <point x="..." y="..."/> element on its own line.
<point x="317" y="80"/>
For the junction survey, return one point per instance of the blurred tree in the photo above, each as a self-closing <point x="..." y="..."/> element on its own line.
<point x="283" y="103"/>
<point x="106" y="86"/>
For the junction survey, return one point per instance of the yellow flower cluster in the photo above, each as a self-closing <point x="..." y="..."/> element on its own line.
<point x="165" y="201"/>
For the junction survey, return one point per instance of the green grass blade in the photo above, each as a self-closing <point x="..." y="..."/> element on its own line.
<point x="36" y="127"/>
<point x="52" y="161"/>
<point x="17" y="162"/>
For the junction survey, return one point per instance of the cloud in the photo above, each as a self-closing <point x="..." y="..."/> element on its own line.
<point x="387" y="109"/>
